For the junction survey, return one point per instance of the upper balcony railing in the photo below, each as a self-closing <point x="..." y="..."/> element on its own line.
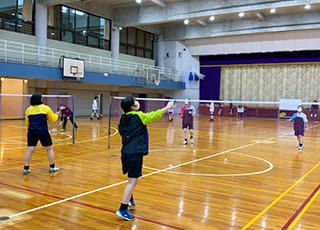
<point x="15" y="52"/>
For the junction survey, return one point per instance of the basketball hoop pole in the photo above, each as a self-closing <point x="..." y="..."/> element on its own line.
<point x="109" y="128"/>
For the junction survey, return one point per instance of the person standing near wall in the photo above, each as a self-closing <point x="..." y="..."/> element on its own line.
<point x="95" y="108"/>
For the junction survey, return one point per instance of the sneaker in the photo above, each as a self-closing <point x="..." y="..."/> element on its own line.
<point x="315" y="115"/>
<point x="185" y="142"/>
<point x="125" y="214"/>
<point x="131" y="203"/>
<point x="77" y="129"/>
<point x="300" y="147"/>
<point x="311" y="115"/>
<point x="211" y="120"/>
<point x="91" y="118"/>
<point x="62" y="130"/>
<point x="191" y="140"/>
<point x="55" y="169"/>
<point x="98" y="118"/>
<point x="26" y="171"/>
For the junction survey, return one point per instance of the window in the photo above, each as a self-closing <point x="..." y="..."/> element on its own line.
<point x="17" y="15"/>
<point x="136" y="42"/>
<point x="80" y="27"/>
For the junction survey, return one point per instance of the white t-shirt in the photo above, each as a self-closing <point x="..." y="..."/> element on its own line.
<point x="211" y="107"/>
<point x="94" y="105"/>
<point x="171" y="103"/>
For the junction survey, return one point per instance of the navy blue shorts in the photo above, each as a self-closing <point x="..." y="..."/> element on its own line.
<point x="298" y="133"/>
<point x="132" y="164"/>
<point x="184" y="126"/>
<point x="45" y="139"/>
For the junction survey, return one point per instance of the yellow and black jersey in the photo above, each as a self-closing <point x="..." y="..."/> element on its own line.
<point x="134" y="133"/>
<point x="37" y="117"/>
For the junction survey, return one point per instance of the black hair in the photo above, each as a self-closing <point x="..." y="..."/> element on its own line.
<point x="127" y="103"/>
<point x="314" y="100"/>
<point x="36" y="99"/>
<point x="95" y="97"/>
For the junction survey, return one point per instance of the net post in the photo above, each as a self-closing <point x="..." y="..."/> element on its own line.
<point x="109" y="128"/>
<point x="74" y="119"/>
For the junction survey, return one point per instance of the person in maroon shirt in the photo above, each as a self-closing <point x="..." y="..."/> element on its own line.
<point x="187" y="112"/>
<point x="66" y="114"/>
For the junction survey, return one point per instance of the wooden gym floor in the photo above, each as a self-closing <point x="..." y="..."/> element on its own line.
<point x="239" y="174"/>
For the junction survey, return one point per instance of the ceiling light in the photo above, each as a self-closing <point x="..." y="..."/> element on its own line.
<point x="138" y="1"/>
<point x="186" y="21"/>
<point x="212" y="18"/>
<point x="241" y="14"/>
<point x="273" y="11"/>
<point x="307" y="6"/>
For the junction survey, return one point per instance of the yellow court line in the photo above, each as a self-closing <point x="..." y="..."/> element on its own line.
<point x="231" y="185"/>
<point x="303" y="211"/>
<point x="276" y="200"/>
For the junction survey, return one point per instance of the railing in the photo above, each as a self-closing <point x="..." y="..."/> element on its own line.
<point x="15" y="52"/>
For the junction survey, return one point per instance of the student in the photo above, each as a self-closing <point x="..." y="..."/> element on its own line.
<point x="219" y="109"/>
<point x="37" y="117"/>
<point x="300" y="122"/>
<point x="187" y="112"/>
<point x="314" y="109"/>
<point x="95" y="108"/>
<point x="133" y="130"/>
<point x="230" y="110"/>
<point x="66" y="114"/>
<point x="211" y="110"/>
<point x="171" y="111"/>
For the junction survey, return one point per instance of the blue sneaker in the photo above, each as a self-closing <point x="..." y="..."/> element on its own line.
<point x="26" y="171"/>
<point x="131" y="203"/>
<point x="55" y="169"/>
<point x="125" y="214"/>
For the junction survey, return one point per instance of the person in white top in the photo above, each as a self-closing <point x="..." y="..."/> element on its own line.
<point x="95" y="108"/>
<point x="211" y="110"/>
<point x="170" y="111"/>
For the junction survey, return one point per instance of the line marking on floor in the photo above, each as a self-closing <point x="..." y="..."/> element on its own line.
<point x="303" y="208"/>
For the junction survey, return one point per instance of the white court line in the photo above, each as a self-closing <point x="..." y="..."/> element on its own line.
<point x="93" y="139"/>
<point x="223" y="175"/>
<point x="149" y="174"/>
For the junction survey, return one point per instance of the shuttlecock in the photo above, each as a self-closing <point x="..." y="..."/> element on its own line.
<point x="225" y="160"/>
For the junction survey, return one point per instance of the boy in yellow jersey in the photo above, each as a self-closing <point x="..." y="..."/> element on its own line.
<point x="37" y="117"/>
<point x="134" y="133"/>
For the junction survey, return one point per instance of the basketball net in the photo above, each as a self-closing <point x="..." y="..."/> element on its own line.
<point x="76" y="76"/>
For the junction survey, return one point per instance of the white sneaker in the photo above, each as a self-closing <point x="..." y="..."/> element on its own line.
<point x="185" y="142"/>
<point x="312" y="115"/>
<point x="300" y="147"/>
<point x="315" y="115"/>
<point x="191" y="140"/>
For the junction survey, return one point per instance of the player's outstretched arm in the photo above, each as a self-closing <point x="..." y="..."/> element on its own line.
<point x="167" y="108"/>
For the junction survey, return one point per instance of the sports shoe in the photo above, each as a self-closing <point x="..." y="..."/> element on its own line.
<point x="125" y="214"/>
<point x="91" y="118"/>
<point x="211" y="120"/>
<point x="26" y="171"/>
<point x="62" y="130"/>
<point x="315" y="115"/>
<point x="77" y="129"/>
<point x="311" y="115"/>
<point x="185" y="142"/>
<point x="300" y="147"/>
<point x="191" y="140"/>
<point x="98" y="118"/>
<point x="131" y="203"/>
<point x="55" y="169"/>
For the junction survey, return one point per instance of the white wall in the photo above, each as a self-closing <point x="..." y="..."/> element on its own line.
<point x="180" y="58"/>
<point x="255" y="43"/>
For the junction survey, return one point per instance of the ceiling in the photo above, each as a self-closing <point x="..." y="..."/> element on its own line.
<point x="166" y="17"/>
